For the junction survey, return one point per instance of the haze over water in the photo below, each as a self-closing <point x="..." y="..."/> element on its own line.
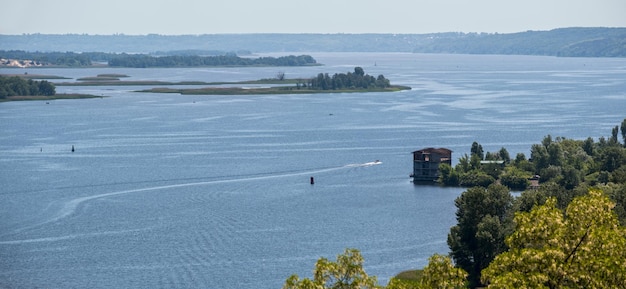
<point x="170" y="191"/>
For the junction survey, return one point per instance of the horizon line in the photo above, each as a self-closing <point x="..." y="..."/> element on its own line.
<point x="313" y="33"/>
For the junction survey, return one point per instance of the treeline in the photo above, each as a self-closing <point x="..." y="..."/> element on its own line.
<point x="565" y="169"/>
<point x="145" y="60"/>
<point x="17" y="86"/>
<point x="566" y="162"/>
<point x="142" y="60"/>
<point x="351" y="80"/>
<point x="50" y="58"/>
<point x="569" y="232"/>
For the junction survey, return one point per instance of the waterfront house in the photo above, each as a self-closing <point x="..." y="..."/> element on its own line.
<point x="426" y="163"/>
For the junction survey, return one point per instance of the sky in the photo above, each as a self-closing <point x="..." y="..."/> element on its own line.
<point x="136" y="17"/>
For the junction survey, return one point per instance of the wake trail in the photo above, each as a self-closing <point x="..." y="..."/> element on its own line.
<point x="70" y="207"/>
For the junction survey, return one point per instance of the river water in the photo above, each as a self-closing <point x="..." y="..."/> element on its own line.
<point x="170" y="191"/>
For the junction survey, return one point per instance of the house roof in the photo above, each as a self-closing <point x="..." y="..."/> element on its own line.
<point x="442" y="151"/>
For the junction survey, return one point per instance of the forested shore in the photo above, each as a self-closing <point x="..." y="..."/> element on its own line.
<point x="21" y="58"/>
<point x="569" y="232"/>
<point x="18" y="86"/>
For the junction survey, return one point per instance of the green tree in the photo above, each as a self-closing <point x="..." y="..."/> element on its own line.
<point x="463" y="165"/>
<point x="479" y="234"/>
<point x="477" y="150"/>
<point x="611" y="158"/>
<point x="539" y="157"/>
<point x="476" y="178"/>
<point x="441" y="273"/>
<point x="613" y="140"/>
<point x="46" y="88"/>
<point x="623" y="129"/>
<point x="583" y="248"/>
<point x="504" y="155"/>
<point x="588" y="146"/>
<point x="345" y="273"/>
<point x="523" y="164"/>
<point x="359" y="71"/>
<point x="515" y="178"/>
<point x="448" y="175"/>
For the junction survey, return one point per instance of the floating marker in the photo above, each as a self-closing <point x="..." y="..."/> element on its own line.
<point x="312" y="181"/>
<point x="72" y="148"/>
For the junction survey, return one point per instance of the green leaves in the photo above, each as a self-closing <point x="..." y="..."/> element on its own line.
<point x="345" y="273"/>
<point x="441" y="273"/>
<point x="583" y="248"/>
<point x="479" y="235"/>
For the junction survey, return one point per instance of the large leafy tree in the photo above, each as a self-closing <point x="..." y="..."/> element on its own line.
<point x="479" y="234"/>
<point x="439" y="273"/>
<point x="345" y="273"/>
<point x="583" y="248"/>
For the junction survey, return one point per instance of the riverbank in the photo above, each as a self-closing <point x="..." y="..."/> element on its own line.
<point x="51" y="97"/>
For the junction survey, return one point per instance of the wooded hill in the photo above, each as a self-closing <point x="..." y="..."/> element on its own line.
<point x="587" y="42"/>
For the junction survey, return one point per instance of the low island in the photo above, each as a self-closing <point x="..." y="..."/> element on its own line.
<point x="23" y="87"/>
<point x="356" y="81"/>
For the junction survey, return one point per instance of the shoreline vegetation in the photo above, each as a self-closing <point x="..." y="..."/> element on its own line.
<point x="26" y="59"/>
<point x="569" y="228"/>
<point x="50" y="97"/>
<point x="350" y="82"/>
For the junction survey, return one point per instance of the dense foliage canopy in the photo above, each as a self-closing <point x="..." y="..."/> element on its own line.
<point x="351" y="80"/>
<point x="479" y="235"/>
<point x="142" y="60"/>
<point x="145" y="60"/>
<point x="345" y="273"/>
<point x="49" y="58"/>
<point x="17" y="86"/>
<point x="583" y="248"/>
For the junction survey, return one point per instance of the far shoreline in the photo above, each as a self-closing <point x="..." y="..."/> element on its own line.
<point x="50" y="97"/>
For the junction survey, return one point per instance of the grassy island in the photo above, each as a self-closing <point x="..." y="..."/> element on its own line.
<point x="350" y="82"/>
<point x="49" y="97"/>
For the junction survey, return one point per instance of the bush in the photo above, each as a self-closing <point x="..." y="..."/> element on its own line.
<point x="475" y="178"/>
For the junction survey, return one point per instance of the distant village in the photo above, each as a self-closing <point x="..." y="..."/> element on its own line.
<point x="20" y="63"/>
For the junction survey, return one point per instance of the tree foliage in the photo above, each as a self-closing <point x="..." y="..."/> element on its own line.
<point x="441" y="273"/>
<point x="351" y="80"/>
<point x="583" y="248"/>
<point x="345" y="273"/>
<point x="479" y="234"/>
<point x="49" y="58"/>
<point x="17" y="86"/>
<point x="143" y="60"/>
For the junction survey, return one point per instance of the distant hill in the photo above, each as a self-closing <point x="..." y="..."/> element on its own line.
<point x="582" y="42"/>
<point x="568" y="42"/>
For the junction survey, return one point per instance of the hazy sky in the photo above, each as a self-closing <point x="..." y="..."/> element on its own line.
<point x="310" y="16"/>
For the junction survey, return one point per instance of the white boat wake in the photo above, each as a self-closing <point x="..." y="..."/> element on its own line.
<point x="71" y="206"/>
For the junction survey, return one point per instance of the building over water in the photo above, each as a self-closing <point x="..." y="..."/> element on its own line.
<point x="426" y="163"/>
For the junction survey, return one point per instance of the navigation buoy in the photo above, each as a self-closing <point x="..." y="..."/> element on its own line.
<point x="72" y="148"/>
<point x="312" y="181"/>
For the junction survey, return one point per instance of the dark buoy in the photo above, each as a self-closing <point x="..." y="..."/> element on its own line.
<point x="72" y="148"/>
<point x="312" y="181"/>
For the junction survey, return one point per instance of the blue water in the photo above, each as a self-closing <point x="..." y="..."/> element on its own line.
<point x="170" y="191"/>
